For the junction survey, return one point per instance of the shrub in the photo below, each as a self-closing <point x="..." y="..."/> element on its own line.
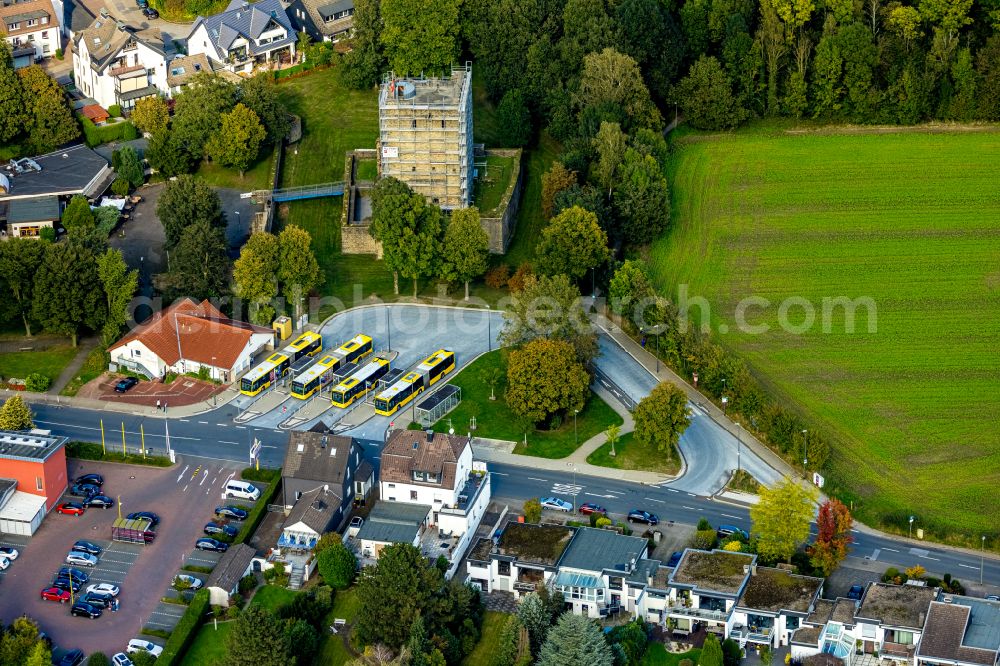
<point x="326" y="541"/>
<point x="59" y="54"/>
<point x="703" y="524"/>
<point x="532" y="510"/>
<point x="916" y="571"/>
<point x="95" y="135"/>
<point x="685" y="662"/>
<point x="120" y="187"/>
<point x="263" y="475"/>
<point x="892" y="573"/>
<point x="91" y="451"/>
<point x="247" y="583"/>
<point x="516" y="281"/>
<point x="129" y="132"/>
<point x="337" y="566"/>
<point x="704" y="539"/>
<point x="185" y="631"/>
<point x="932" y="582"/>
<point x="115" y="111"/>
<point x="733" y="547"/>
<point x="232" y="612"/>
<point x="497" y="277"/>
<point x="602" y="522"/>
<point x="37" y="382"/>
<point x="98" y="659"/>
<point x="47" y="234"/>
<point x="159" y="633"/>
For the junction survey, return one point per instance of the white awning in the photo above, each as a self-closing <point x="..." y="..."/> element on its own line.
<point x="22" y="507"/>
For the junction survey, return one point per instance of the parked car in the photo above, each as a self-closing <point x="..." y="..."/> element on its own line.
<point x="87" y="547"/>
<point x="231" y="512"/>
<point x="856" y="592"/>
<point x="84" y="490"/>
<point x="556" y="504"/>
<point x="728" y="530"/>
<point x="675" y="559"/>
<point x="97" y="600"/>
<point x="139" y="645"/>
<point x="92" y="479"/>
<point x="81" y="559"/>
<point x="992" y="597"/>
<point x="242" y="490"/>
<point x="141" y="4"/>
<point x="357" y="522"/>
<point x="192" y="581"/>
<point x="588" y="508"/>
<point x="67" y="584"/>
<point x="8" y="552"/>
<point x="104" y="589"/>
<point x="77" y="575"/>
<point x="127" y="383"/>
<point x="152" y="517"/>
<point x="121" y="659"/>
<point x="83" y="609"/>
<point x="221" y="528"/>
<point x="102" y="501"/>
<point x="72" y="658"/>
<point x="640" y="516"/>
<point x="211" y="544"/>
<point x="71" y="509"/>
<point x="150" y="13"/>
<point x="56" y="594"/>
<point x="4" y="563"/>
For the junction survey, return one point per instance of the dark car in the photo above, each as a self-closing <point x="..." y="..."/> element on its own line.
<point x="588" y="508"/>
<point x="211" y="544"/>
<point x="75" y="574"/>
<point x="150" y="13"/>
<point x="84" y="490"/>
<point x="856" y="592"/>
<point x="102" y="501"/>
<point x="640" y="516"/>
<point x="71" y="658"/>
<point x="64" y="583"/>
<point x="92" y="479"/>
<point x="83" y="609"/>
<point x="232" y="512"/>
<point x="98" y="600"/>
<point x="148" y="536"/>
<point x="220" y="528"/>
<point x="149" y="515"/>
<point x="729" y="530"/>
<point x="127" y="383"/>
<point x="87" y="547"/>
<point x="56" y="594"/>
<point x="675" y="559"/>
<point x="71" y="508"/>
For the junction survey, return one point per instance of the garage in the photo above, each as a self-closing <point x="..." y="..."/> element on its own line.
<point x="22" y="513"/>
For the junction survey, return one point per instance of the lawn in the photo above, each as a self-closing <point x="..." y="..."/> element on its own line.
<point x="209" y="646"/>
<point x="495" y="421"/>
<point x="345" y="606"/>
<point x="49" y="362"/>
<point x="630" y="455"/>
<point x="93" y="367"/>
<point x="910" y="220"/>
<point x="657" y="655"/>
<point x="367" y="170"/>
<point x="273" y="597"/>
<point x="530" y="221"/>
<point x="257" y="177"/>
<point x="490" y="187"/>
<point x="485" y="651"/>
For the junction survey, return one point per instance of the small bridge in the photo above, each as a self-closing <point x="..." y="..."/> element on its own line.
<point x="298" y="193"/>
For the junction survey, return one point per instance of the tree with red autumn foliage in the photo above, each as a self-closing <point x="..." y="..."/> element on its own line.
<point x="833" y="536"/>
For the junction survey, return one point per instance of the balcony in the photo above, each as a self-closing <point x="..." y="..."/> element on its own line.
<point x="895" y="650"/>
<point x="752" y="634"/>
<point x="526" y="586"/>
<point x="468" y="495"/>
<point x="123" y="70"/>
<point x="699" y="613"/>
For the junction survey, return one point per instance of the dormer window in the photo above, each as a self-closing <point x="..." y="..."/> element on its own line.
<point x="419" y="476"/>
<point x="432" y="477"/>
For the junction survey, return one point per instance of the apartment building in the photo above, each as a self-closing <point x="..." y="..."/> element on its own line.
<point x="32" y="29"/>
<point x="244" y="36"/>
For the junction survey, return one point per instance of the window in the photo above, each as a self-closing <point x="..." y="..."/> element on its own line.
<point x="38" y="483"/>
<point x="791" y="622"/>
<point x="503" y="568"/>
<point x="614" y="583"/>
<point x="45" y="34"/>
<point x="298" y="494"/>
<point x="413" y="495"/>
<point x="45" y="20"/>
<point x="12" y="26"/>
<point x="392" y="485"/>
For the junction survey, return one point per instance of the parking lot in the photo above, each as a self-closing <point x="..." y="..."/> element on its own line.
<point x="184" y="497"/>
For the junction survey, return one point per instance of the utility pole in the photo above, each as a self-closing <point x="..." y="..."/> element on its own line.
<point x="805" y="454"/>
<point x="982" y="559"/>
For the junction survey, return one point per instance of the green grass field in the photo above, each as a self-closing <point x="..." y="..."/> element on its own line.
<point x="495" y="421"/>
<point x="910" y="220"/>
<point x="489" y="191"/>
<point x="657" y="655"/>
<point x="209" y="646"/>
<point x="485" y="651"/>
<point x="629" y="455"/>
<point x="273" y="597"/>
<point x="49" y="362"/>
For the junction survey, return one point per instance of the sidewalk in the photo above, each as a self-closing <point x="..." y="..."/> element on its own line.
<point x="86" y="346"/>
<point x="122" y="408"/>
<point x="597" y="441"/>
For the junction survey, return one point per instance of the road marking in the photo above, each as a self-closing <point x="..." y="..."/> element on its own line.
<point x="935" y="559"/>
<point x="967" y="566"/>
<point x="875" y="553"/>
<point x="601" y="496"/>
<point x="614" y="492"/>
<point x="691" y="495"/>
<point x="185" y="421"/>
<point x="672" y="490"/>
<point x="499" y="474"/>
<point x="203" y="422"/>
<point x="241" y="427"/>
<point x="203" y="477"/>
<point x="183" y="472"/>
<point x="653" y="499"/>
<point x="222" y="425"/>
<point x="729" y="516"/>
<point x="855" y="531"/>
<point x="224" y="441"/>
<point x="569" y="489"/>
<point x="185" y="487"/>
<point x="891" y="550"/>
<point x="535" y="478"/>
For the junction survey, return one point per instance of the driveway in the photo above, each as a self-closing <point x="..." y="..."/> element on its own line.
<point x="181" y="391"/>
<point x="129" y="12"/>
<point x="184" y="496"/>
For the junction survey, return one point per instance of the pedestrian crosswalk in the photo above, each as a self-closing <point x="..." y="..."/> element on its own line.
<point x="566" y="489"/>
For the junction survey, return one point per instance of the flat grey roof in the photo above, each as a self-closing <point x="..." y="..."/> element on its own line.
<point x="27" y="445"/>
<point x="595" y="550"/>
<point x="37" y="209"/>
<point x="393" y="522"/>
<point x="984" y="623"/>
<point x="68" y="171"/>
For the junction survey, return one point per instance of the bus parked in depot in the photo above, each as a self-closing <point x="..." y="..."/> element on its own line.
<point x="353" y="350"/>
<point x="307" y="344"/>
<point x="359" y="384"/>
<point x="427" y="372"/>
<point x="265" y="372"/>
<point x="310" y="381"/>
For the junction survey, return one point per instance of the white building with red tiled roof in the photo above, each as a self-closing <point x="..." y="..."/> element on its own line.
<point x="189" y="336"/>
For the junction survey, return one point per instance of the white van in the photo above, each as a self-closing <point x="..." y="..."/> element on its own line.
<point x="242" y="490"/>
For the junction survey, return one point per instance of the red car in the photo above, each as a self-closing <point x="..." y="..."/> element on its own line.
<point x="71" y="508"/>
<point x="56" y="594"/>
<point x="588" y="508"/>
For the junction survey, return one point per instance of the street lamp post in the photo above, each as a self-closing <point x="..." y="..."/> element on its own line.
<point x="576" y="440"/>
<point x="739" y="447"/>
<point x="489" y="330"/>
<point x="215" y="401"/>
<point x="910" y="533"/>
<point x="982" y="559"/>
<point x="805" y="452"/>
<point x="388" y="330"/>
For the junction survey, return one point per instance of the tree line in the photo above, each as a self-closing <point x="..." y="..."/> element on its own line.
<point x="34" y="109"/>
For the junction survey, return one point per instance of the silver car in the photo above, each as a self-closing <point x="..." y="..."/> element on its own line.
<point x="81" y="559"/>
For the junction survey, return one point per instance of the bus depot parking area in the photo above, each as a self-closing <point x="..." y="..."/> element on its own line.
<point x="184" y="498"/>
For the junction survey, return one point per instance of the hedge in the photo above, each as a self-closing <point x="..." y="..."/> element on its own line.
<point x="95" y="136"/>
<point x="265" y="475"/>
<point x="257" y="514"/>
<point x="184" y="633"/>
<point x="92" y="451"/>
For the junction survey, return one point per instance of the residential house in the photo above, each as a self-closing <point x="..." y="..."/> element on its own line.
<point x="32" y="28"/>
<point x="33" y="476"/>
<point x="890" y="619"/>
<point x="773" y="606"/>
<point x="183" y="68"/>
<point x="244" y="36"/>
<point x="323" y="20"/>
<point x="322" y="476"/>
<point x="27" y="217"/>
<point x="191" y="337"/>
<point x="830" y="628"/>
<point x="520" y="560"/>
<point x="118" y="64"/>
<point x="224" y="581"/>
<point x="395" y="522"/>
<point x="704" y="588"/>
<point x="437" y="470"/>
<point x="960" y="631"/>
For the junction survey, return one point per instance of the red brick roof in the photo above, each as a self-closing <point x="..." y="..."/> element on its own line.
<point x="205" y="334"/>
<point x="409" y="451"/>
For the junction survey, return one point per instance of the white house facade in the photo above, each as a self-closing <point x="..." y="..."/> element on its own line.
<point x="32" y="28"/>
<point x="244" y="36"/>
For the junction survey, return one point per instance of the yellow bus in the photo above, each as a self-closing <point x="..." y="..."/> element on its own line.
<point x="399" y="394"/>
<point x="359" y="384"/>
<point x="436" y="366"/>
<point x="310" y="381"/>
<point x="353" y="350"/>
<point x="265" y="372"/>
<point x="307" y="344"/>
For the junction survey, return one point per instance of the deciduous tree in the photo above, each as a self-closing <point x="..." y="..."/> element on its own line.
<point x="534" y="617"/>
<point x="238" y="140"/>
<point x="185" y="201"/>
<point x="41" y="655"/>
<point x="338" y="566"/>
<point x="78" y="219"/>
<point x="15" y="415"/>
<point x="151" y="115"/>
<point x="409" y="230"/>
<point x="119" y="286"/>
<point x="575" y="639"/>
<point x="571" y="244"/>
<point x="199" y="109"/>
<point x="298" y="270"/>
<point x="513" y="646"/>
<point x="168" y="155"/>
<point x="549" y="307"/>
<point x="630" y="289"/>
<point x="781" y="519"/>
<point x="50" y="123"/>
<point x="833" y="538"/>
<point x="257" y="638"/>
<point x="661" y="418"/>
<point x="12" y="108"/>
<point x="199" y="265"/>
<point x="513" y="120"/>
<point x="642" y="198"/>
<point x="420" y="36"/>
<point x="65" y="305"/>
<point x="554" y="181"/>
<point x="260" y="95"/>
<point x="532" y="510"/>
<point x="610" y="78"/>
<point x="19" y="262"/>
<point x="706" y="96"/>
<point x="364" y="62"/>
<point x="545" y="378"/>
<point x="466" y="250"/>
<point x="610" y="144"/>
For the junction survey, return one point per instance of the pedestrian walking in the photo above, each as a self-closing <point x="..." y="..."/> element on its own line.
<point x="157" y="405"/>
